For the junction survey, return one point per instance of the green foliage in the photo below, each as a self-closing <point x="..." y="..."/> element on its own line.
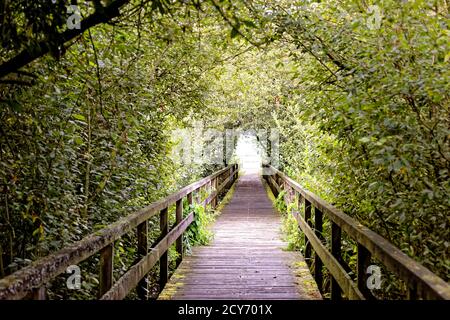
<point x="198" y="232"/>
<point x="292" y="234"/>
<point x="280" y="203"/>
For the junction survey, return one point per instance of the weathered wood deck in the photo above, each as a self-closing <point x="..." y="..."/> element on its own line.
<point x="246" y="259"/>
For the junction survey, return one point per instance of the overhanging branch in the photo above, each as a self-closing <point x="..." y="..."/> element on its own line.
<point x="29" y="54"/>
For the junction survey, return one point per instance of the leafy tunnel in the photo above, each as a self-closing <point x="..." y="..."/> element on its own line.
<point x="92" y="92"/>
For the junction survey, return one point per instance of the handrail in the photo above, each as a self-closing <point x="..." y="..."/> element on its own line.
<point x="32" y="279"/>
<point x="421" y="282"/>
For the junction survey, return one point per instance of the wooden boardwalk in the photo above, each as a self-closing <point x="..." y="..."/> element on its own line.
<point x="246" y="259"/>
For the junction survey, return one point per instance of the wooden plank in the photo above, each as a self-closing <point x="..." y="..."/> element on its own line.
<point x="106" y="269"/>
<point x="429" y="285"/>
<point x="336" y="292"/>
<point x="179" y="241"/>
<point x="164" y="260"/>
<point x="363" y="262"/>
<point x="308" y="221"/>
<point x="318" y="226"/>
<point x="40" y="293"/>
<point x="142" y="236"/>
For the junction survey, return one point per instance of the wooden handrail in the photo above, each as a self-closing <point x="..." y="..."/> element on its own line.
<point x="32" y="279"/>
<point x="421" y="281"/>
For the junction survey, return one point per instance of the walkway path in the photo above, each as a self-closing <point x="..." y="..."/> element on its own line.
<point x="246" y="259"/>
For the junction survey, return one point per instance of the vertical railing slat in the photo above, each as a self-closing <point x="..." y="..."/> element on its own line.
<point x="189" y="199"/>
<point x="39" y="293"/>
<point x="308" y="221"/>
<point x="142" y="249"/>
<point x="215" y="185"/>
<point x="179" y="241"/>
<point x="363" y="262"/>
<point x="164" y="260"/>
<point x="318" y="225"/>
<point x="336" y="233"/>
<point x="106" y="269"/>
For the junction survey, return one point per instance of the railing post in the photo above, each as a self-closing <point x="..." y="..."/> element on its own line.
<point x="179" y="242"/>
<point x="215" y="184"/>
<point x="39" y="293"/>
<point x="336" y="292"/>
<point x="318" y="225"/>
<point x="198" y="195"/>
<point x="412" y="293"/>
<point x="308" y="221"/>
<point x="142" y="250"/>
<point x="106" y="269"/>
<point x="164" y="260"/>
<point x="189" y="198"/>
<point x="363" y="262"/>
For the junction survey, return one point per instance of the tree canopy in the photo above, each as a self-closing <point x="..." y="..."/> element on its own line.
<point x="358" y="90"/>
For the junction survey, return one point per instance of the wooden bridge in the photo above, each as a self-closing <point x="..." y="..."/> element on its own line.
<point x="246" y="259"/>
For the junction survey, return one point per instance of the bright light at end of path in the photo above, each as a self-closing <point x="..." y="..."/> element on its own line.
<point x="248" y="153"/>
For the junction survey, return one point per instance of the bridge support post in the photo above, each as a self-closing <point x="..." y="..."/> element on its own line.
<point x="39" y="293"/>
<point x="179" y="241"/>
<point x="164" y="260"/>
<point x="216" y="187"/>
<point x="336" y="292"/>
<point x="106" y="269"/>
<point x="142" y="237"/>
<point x="308" y="221"/>
<point x="318" y="225"/>
<point x="364" y="257"/>
<point x="189" y="199"/>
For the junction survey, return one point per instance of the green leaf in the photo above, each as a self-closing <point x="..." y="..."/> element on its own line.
<point x="79" y="117"/>
<point x="78" y="140"/>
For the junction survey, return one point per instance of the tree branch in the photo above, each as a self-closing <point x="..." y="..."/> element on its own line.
<point x="30" y="54"/>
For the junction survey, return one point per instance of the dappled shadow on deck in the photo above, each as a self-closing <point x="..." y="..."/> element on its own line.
<point x="246" y="259"/>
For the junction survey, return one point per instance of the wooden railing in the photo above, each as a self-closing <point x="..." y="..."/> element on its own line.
<point x="421" y="282"/>
<point x="32" y="280"/>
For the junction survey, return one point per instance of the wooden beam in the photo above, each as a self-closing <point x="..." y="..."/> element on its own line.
<point x="106" y="269"/>
<point x="318" y="226"/>
<point x="179" y="241"/>
<point x="363" y="263"/>
<point x="336" y="292"/>
<point x="40" y="293"/>
<point x="164" y="261"/>
<point x="142" y="236"/>
<point x="308" y="221"/>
